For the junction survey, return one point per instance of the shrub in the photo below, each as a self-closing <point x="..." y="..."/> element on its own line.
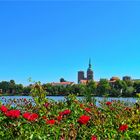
<point x="71" y="119"/>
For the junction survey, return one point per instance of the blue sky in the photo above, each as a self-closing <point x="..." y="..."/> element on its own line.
<point x="47" y="40"/>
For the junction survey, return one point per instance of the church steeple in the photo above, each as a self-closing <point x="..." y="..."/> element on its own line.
<point x="89" y="64"/>
<point x="89" y="76"/>
<point x="89" y="71"/>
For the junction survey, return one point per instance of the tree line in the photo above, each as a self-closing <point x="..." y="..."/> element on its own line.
<point x="11" y="88"/>
<point x="119" y="88"/>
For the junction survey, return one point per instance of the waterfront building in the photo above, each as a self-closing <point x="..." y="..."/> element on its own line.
<point x="82" y="79"/>
<point x="114" y="79"/>
<point x="62" y="83"/>
<point x="89" y="72"/>
<point x="81" y="76"/>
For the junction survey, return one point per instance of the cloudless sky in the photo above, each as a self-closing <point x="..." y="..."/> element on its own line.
<point x="47" y="40"/>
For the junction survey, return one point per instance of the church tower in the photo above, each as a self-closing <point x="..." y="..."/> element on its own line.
<point x="89" y="72"/>
<point x="80" y="76"/>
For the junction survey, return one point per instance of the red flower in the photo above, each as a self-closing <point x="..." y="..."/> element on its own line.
<point x="30" y="116"/>
<point x="123" y="127"/>
<point x="13" y="113"/>
<point x="59" y="118"/>
<point x="46" y="105"/>
<point x="26" y="115"/>
<point x="93" y="137"/>
<point x="108" y="103"/>
<point x="65" y="112"/>
<point x="3" y="108"/>
<point x="33" y="117"/>
<point x="51" y="122"/>
<point x="83" y="119"/>
<point x="87" y="109"/>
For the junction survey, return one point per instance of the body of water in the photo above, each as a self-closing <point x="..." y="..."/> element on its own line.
<point x="5" y="99"/>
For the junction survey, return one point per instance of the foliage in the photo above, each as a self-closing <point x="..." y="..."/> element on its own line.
<point x="11" y="88"/>
<point x="43" y="119"/>
<point x="103" y="88"/>
<point x="90" y="90"/>
<point x="62" y="80"/>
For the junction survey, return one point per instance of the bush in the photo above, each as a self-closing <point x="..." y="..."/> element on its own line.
<point x="68" y="120"/>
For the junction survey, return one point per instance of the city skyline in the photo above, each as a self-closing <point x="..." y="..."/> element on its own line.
<point x="47" y="40"/>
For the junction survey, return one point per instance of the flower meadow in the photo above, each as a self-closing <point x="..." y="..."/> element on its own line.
<point x="68" y="120"/>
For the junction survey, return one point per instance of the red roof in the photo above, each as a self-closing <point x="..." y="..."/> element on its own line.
<point x="83" y="81"/>
<point x="62" y="83"/>
<point x="114" y="78"/>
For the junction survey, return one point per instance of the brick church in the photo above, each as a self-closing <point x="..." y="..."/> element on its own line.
<point x="82" y="78"/>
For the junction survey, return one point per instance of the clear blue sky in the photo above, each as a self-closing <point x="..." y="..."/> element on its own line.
<point x="47" y="40"/>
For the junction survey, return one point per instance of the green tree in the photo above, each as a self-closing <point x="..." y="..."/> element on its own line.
<point x="27" y="90"/>
<point x="118" y="88"/>
<point x="82" y="89"/>
<point x="137" y="86"/>
<point x="4" y="85"/>
<point x="19" y="88"/>
<point x="49" y="88"/>
<point x="129" y="91"/>
<point x="90" y="91"/>
<point x="62" y="80"/>
<point x="75" y="89"/>
<point x="12" y="86"/>
<point x="129" y="83"/>
<point x="92" y="86"/>
<point x="103" y="88"/>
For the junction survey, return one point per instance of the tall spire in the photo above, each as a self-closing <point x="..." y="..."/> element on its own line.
<point x="89" y="71"/>
<point x="89" y="63"/>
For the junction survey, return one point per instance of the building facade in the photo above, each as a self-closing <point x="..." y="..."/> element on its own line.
<point x="61" y="83"/>
<point x="81" y="76"/>
<point x="89" y="76"/>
